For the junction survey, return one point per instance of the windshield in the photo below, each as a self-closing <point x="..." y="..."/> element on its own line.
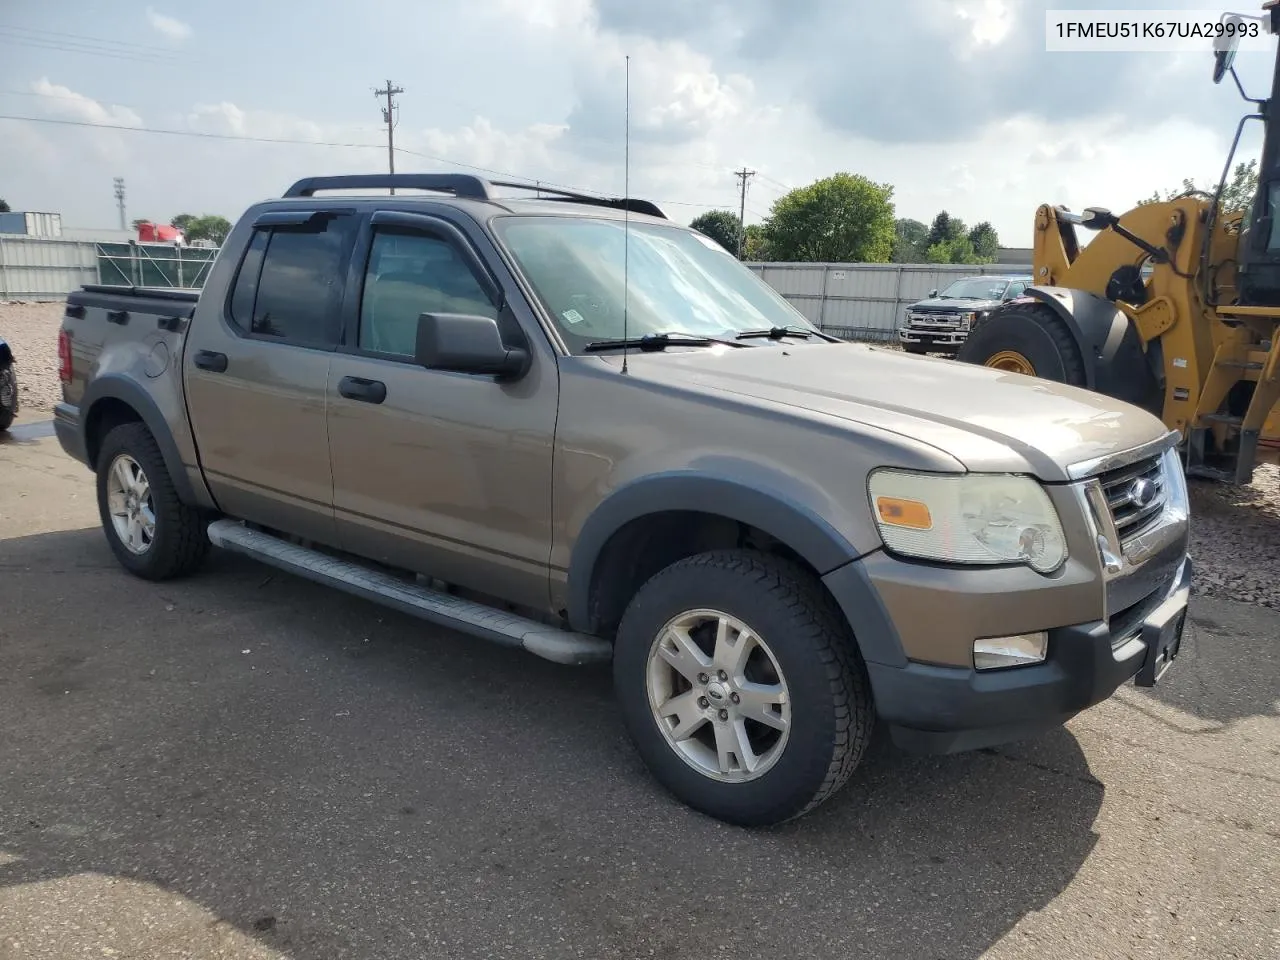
<point x="975" y="288"/>
<point x="679" y="280"/>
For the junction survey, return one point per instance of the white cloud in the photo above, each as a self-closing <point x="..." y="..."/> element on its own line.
<point x="168" y="27"/>
<point x="63" y="100"/>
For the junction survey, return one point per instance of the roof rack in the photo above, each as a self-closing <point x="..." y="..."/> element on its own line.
<point x="464" y="185"/>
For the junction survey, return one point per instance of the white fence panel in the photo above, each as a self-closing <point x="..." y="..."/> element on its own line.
<point x="36" y="269"/>
<point x="865" y="301"/>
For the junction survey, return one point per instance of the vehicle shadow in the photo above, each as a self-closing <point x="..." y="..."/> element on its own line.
<point x="333" y="779"/>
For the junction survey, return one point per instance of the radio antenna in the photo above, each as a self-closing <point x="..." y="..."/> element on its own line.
<point x="626" y="219"/>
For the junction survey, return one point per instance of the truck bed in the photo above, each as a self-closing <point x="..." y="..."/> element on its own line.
<point x="116" y="299"/>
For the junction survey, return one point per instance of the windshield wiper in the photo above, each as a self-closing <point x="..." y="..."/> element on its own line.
<point x="659" y="341"/>
<point x="777" y="333"/>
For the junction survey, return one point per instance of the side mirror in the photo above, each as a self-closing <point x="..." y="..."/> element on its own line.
<point x="1225" y="46"/>
<point x="467" y="344"/>
<point x="933" y="293"/>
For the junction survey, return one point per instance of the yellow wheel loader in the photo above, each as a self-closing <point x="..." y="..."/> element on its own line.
<point x="1173" y="306"/>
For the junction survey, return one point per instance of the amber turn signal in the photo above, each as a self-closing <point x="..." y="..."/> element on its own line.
<point x="904" y="513"/>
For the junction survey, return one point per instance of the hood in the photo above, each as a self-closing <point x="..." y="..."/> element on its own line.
<point x="952" y="305"/>
<point x="987" y="419"/>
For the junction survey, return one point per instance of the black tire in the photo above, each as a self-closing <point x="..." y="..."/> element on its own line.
<point x="914" y="348"/>
<point x="830" y="700"/>
<point x="1035" y="332"/>
<point x="180" y="542"/>
<point x="8" y="397"/>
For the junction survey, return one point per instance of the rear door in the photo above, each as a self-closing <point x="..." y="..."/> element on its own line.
<point x="256" y="368"/>
<point x="439" y="472"/>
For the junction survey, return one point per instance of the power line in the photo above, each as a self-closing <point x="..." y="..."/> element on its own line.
<point x="389" y="114"/>
<point x="187" y="133"/>
<point x="60" y="35"/>
<point x="70" y="46"/>
<point x="330" y="143"/>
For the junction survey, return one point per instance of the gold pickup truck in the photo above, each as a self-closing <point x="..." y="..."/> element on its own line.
<point x="568" y="425"/>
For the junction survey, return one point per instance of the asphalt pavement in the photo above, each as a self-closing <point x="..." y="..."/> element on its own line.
<point x="247" y="765"/>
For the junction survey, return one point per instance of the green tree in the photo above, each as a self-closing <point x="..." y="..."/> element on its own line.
<point x="756" y="246"/>
<point x="909" y="241"/>
<point x="137" y="223"/>
<point x="985" y="242"/>
<point x="208" y="227"/>
<point x="1237" y="193"/>
<point x="4" y="205"/>
<point x="945" y="228"/>
<point x="183" y="221"/>
<point x="845" y="218"/>
<point x="721" y="226"/>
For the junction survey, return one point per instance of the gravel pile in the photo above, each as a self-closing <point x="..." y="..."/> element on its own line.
<point x="32" y="331"/>
<point x="1235" y="531"/>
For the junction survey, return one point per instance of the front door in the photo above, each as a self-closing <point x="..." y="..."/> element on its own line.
<point x="443" y="473"/>
<point x="256" y="372"/>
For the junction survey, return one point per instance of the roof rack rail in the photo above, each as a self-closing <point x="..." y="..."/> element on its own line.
<point x="459" y="184"/>
<point x="633" y="204"/>
<point x="464" y="185"/>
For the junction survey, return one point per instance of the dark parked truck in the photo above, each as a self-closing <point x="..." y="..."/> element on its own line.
<point x="941" y="322"/>
<point x="568" y="425"/>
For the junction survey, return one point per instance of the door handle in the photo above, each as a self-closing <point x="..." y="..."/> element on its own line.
<point x="366" y="391"/>
<point x="209" y="360"/>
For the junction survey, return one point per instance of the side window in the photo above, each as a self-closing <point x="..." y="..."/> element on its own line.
<point x="409" y="274"/>
<point x="246" y="288"/>
<point x="299" y="293"/>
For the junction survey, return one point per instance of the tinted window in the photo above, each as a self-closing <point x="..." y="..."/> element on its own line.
<point x="410" y="274"/>
<point x="300" y="289"/>
<point x="246" y="288"/>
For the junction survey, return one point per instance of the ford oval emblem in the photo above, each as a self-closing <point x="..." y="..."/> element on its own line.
<point x="1142" y="492"/>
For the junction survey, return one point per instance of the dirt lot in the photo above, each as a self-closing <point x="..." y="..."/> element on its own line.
<point x="245" y="765"/>
<point x="1236" y="533"/>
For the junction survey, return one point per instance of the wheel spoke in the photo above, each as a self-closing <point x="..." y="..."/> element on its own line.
<point x="135" y="532"/>
<point x="148" y="519"/>
<point x="734" y="749"/>
<point x="682" y="654"/>
<point x="732" y="649"/>
<point x="688" y="715"/>
<point x="124" y="476"/>
<point x="142" y="487"/>
<point x="764" y="703"/>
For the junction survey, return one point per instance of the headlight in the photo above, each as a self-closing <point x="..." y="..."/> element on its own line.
<point x="972" y="519"/>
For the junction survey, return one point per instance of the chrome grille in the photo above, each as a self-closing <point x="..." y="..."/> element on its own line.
<point x="1136" y="496"/>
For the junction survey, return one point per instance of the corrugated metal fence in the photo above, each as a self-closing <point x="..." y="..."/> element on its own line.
<point x="859" y="301"/>
<point x="37" y="269"/>
<point x="865" y="301"/>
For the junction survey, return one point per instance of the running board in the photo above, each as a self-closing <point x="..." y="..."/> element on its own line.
<point x="550" y="643"/>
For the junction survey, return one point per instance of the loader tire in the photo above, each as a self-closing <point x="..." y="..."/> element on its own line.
<point x="1026" y="338"/>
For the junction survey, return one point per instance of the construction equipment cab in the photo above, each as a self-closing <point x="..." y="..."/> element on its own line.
<point x="1173" y="306"/>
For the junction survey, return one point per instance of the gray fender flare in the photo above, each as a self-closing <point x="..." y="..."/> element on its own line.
<point x="777" y="514"/>
<point x="116" y="386"/>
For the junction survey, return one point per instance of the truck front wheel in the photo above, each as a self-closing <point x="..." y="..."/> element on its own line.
<point x="1026" y="338"/>
<point x="741" y="686"/>
<point x="151" y="531"/>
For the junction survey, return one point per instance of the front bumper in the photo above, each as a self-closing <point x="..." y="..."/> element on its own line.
<point x="938" y="339"/>
<point x="940" y="709"/>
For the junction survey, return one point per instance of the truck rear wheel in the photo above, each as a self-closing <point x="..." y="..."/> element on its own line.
<point x="151" y="531"/>
<point x="741" y="686"/>
<point x="1026" y="338"/>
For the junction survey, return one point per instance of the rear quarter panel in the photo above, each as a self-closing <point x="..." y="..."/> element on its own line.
<point x="113" y="360"/>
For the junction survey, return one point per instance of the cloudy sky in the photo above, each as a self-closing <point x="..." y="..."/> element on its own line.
<point x="954" y="102"/>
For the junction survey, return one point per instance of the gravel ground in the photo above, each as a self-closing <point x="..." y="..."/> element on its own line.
<point x="1235" y="532"/>
<point x="32" y="330"/>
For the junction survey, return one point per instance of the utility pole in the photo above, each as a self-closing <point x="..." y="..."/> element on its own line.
<point x="389" y="117"/>
<point x="119" y="185"/>
<point x="743" y="175"/>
